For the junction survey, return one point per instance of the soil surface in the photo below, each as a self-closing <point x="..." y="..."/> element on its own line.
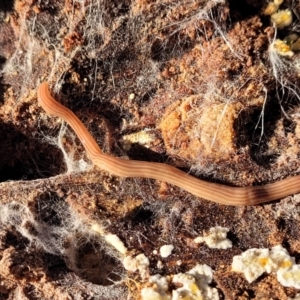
<point x="193" y="84"/>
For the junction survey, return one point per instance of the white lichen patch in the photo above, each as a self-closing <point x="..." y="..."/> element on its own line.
<point x="110" y="238"/>
<point x="115" y="241"/>
<point x="139" y="263"/>
<point x="158" y="290"/>
<point x="216" y="238"/>
<point x="98" y="228"/>
<point x="144" y="137"/>
<point x="254" y="262"/>
<point x="192" y="285"/>
<point x="166" y="250"/>
<point x="290" y="277"/>
<point x="279" y="259"/>
<point x="195" y="284"/>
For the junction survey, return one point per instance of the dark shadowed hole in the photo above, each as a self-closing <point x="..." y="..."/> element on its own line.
<point x="233" y="237"/>
<point x="96" y="266"/>
<point x="3" y="87"/>
<point x="24" y="158"/>
<point x="86" y="257"/>
<point x="138" y="152"/>
<point x="255" y="134"/>
<point x="16" y="240"/>
<point x="281" y="224"/>
<point x="147" y="96"/>
<point x="251" y="294"/>
<point x="140" y="215"/>
<point x="2" y="61"/>
<point x="55" y="264"/>
<point x="243" y="9"/>
<point x="6" y="5"/>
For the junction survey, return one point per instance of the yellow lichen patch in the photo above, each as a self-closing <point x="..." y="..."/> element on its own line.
<point x="282" y="18"/>
<point x="263" y="261"/>
<point x="278" y="2"/>
<point x="192" y="285"/>
<point x="270" y="9"/>
<point x="282" y="48"/>
<point x="192" y="132"/>
<point x="285" y="264"/>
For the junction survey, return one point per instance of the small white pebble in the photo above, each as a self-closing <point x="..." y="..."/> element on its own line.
<point x="159" y="264"/>
<point x="216" y="239"/>
<point x="166" y="250"/>
<point x="178" y="262"/>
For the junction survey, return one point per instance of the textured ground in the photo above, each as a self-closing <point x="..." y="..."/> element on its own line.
<point x="189" y="83"/>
